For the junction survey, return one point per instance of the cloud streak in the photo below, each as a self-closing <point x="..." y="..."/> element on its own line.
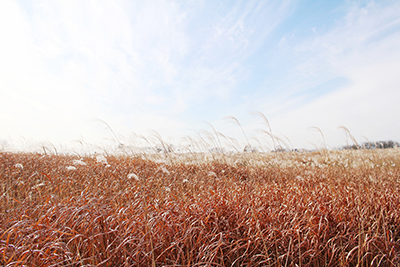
<point x="170" y="66"/>
<point x="363" y="50"/>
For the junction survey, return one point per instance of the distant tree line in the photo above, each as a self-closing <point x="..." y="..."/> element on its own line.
<point x="374" y="145"/>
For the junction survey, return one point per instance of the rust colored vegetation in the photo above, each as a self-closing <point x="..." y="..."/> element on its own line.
<point x="324" y="208"/>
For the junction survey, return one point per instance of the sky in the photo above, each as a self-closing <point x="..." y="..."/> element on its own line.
<point x="92" y="72"/>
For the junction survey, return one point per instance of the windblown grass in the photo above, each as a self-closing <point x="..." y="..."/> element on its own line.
<point x="328" y="208"/>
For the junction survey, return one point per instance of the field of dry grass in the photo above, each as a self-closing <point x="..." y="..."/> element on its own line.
<point x="327" y="208"/>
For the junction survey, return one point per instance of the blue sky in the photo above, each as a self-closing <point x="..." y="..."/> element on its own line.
<point x="172" y="66"/>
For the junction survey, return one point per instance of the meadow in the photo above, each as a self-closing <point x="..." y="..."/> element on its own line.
<point x="322" y="208"/>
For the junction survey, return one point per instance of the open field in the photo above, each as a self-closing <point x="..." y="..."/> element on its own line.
<point x="326" y="208"/>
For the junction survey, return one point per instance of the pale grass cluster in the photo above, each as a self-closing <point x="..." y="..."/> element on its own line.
<point x="318" y="159"/>
<point x="323" y="208"/>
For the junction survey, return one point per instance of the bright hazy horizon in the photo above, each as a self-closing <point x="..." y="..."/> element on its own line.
<point x="175" y="67"/>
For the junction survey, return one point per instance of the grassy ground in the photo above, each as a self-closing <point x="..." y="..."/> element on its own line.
<point x="327" y="208"/>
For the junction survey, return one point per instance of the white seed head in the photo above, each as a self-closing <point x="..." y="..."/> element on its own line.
<point x="165" y="170"/>
<point x="78" y="162"/>
<point x="19" y="166"/>
<point x="101" y="159"/>
<point x="212" y="174"/>
<point x="133" y="176"/>
<point x="71" y="168"/>
<point x="38" y="185"/>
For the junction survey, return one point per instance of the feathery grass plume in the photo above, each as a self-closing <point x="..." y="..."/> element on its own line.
<point x="283" y="143"/>
<point x="269" y="132"/>
<point x="46" y="149"/>
<point x="259" y="143"/>
<point x="236" y="121"/>
<point x="198" y="143"/>
<point x="364" y="145"/>
<point x="314" y="128"/>
<point x="191" y="144"/>
<point x="232" y="142"/>
<point x="213" y="139"/>
<point x="219" y="145"/>
<point x="120" y="145"/>
<point x="229" y="142"/>
<point x="148" y="142"/>
<point x="161" y="147"/>
<point x="349" y="135"/>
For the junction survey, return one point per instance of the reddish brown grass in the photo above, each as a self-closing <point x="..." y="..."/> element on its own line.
<point x="205" y="213"/>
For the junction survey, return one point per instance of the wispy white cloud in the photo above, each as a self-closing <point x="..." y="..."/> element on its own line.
<point x="169" y="66"/>
<point x="363" y="48"/>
